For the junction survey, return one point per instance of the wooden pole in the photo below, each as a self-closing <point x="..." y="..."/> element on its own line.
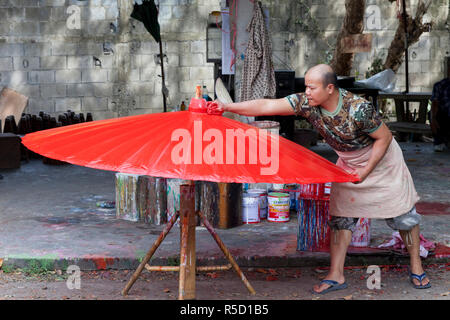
<point x="150" y="254"/>
<point x="226" y="253"/>
<point x="187" y="253"/>
<point x="223" y="205"/>
<point x="162" y="75"/>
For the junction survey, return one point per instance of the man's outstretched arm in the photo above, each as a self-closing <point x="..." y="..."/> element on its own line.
<point x="259" y="107"/>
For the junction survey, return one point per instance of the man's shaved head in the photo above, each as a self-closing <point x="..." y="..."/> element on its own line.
<point x="326" y="73"/>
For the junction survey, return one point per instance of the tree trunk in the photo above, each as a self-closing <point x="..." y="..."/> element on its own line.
<point x="415" y="28"/>
<point x="342" y="63"/>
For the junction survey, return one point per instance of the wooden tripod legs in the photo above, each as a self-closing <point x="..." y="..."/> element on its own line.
<point x="187" y="267"/>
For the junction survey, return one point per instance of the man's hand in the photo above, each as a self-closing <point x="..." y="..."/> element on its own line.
<point x="362" y="173"/>
<point x="216" y="107"/>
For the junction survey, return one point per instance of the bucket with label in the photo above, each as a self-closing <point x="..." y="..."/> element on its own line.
<point x="279" y="204"/>
<point x="262" y="201"/>
<point x="250" y="208"/>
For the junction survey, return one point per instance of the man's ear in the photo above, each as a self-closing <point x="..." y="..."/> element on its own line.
<point x="330" y="88"/>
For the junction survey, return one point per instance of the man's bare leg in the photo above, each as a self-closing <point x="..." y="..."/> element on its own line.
<point x="412" y="243"/>
<point x="340" y="240"/>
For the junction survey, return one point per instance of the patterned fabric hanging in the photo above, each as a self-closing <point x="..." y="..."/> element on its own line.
<point x="258" y="75"/>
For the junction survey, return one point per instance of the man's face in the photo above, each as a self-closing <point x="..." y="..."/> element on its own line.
<point x="315" y="91"/>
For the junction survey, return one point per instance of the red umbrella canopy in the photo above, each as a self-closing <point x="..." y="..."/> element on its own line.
<point x="187" y="145"/>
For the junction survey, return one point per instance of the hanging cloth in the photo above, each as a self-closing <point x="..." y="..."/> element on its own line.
<point x="258" y="75"/>
<point x="147" y="13"/>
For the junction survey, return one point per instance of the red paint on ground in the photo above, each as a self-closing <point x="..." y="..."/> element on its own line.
<point x="441" y="251"/>
<point x="101" y="263"/>
<point x="433" y="208"/>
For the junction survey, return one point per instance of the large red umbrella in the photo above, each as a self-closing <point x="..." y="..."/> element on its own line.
<point x="189" y="145"/>
<point x="186" y="145"/>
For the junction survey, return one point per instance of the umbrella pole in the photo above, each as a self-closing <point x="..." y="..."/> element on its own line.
<point x="187" y="243"/>
<point x="150" y="253"/>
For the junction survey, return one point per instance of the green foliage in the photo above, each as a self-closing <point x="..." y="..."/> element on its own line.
<point x="375" y="67"/>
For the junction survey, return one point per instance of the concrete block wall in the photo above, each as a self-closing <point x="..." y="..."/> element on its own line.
<point x="87" y="56"/>
<point x="93" y="67"/>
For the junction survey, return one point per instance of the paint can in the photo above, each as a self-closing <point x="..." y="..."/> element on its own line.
<point x="272" y="126"/>
<point x="279" y="204"/>
<point x="361" y="235"/>
<point x="313" y="229"/>
<point x="277" y="186"/>
<point x="262" y="201"/>
<point x="173" y="197"/>
<point x="250" y="205"/>
<point x="126" y="194"/>
<point x="292" y="195"/>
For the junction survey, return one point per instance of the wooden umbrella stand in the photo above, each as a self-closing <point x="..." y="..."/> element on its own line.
<point x="187" y="268"/>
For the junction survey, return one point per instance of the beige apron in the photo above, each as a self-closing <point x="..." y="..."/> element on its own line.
<point x="387" y="192"/>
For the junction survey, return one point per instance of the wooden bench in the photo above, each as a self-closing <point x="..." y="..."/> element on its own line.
<point x="410" y="127"/>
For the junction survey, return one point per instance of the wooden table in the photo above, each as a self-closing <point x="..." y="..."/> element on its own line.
<point x="402" y="100"/>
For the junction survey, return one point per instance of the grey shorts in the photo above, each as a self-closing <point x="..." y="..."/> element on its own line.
<point x="404" y="222"/>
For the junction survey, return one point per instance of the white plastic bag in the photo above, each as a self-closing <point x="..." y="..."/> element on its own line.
<point x="384" y="81"/>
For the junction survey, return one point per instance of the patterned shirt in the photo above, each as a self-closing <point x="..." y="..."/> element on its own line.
<point x="441" y="93"/>
<point x="345" y="129"/>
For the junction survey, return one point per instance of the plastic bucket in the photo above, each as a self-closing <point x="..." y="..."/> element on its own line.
<point x="313" y="232"/>
<point x="279" y="204"/>
<point x="250" y="208"/>
<point x="263" y="209"/>
<point x="272" y="126"/>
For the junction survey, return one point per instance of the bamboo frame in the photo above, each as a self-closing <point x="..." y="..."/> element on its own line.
<point x="187" y="268"/>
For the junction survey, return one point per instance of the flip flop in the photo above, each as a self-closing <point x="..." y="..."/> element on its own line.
<point x="420" y="278"/>
<point x="334" y="285"/>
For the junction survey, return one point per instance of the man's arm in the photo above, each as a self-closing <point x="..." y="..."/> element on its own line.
<point x="259" y="107"/>
<point x="383" y="138"/>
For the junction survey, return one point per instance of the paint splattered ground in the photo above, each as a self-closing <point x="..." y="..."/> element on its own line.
<point x="270" y="284"/>
<point x="48" y="214"/>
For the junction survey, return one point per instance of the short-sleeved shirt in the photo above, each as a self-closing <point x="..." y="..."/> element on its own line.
<point x="441" y="93"/>
<point x="345" y="129"/>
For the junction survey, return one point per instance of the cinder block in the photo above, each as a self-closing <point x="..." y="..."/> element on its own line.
<point x="39" y="104"/>
<point x="53" y="90"/>
<point x="80" y="89"/>
<point x="190" y="60"/>
<point x="64" y="104"/>
<point x="41" y="76"/>
<point x="26" y="63"/>
<point x="11" y="49"/>
<point x="53" y="62"/>
<point x="68" y="76"/>
<point x="94" y="103"/>
<point x="6" y="64"/>
<point x="97" y="13"/>
<point x="80" y="62"/>
<point x="94" y="75"/>
<point x="102" y="89"/>
<point x="37" y="49"/>
<point x="201" y="73"/>
<point x="37" y="14"/>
